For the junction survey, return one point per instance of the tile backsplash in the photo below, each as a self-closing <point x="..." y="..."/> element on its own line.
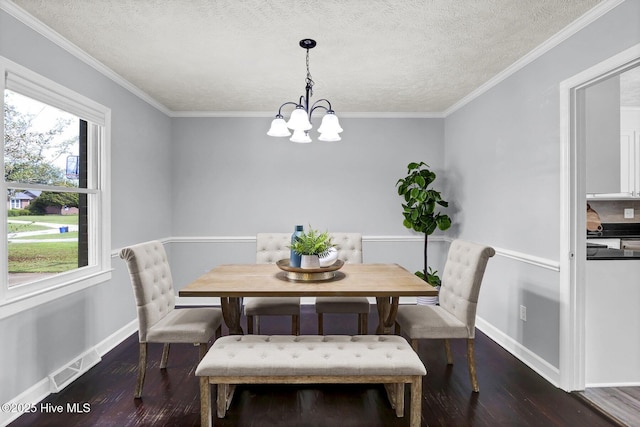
<point x="612" y="211"/>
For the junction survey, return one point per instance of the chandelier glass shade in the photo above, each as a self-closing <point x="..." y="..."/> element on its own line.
<point x="300" y="120"/>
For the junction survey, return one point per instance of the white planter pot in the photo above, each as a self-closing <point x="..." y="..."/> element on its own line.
<point x="310" y="261"/>
<point x="429" y="300"/>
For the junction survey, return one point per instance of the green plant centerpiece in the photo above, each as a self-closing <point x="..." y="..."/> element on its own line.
<point x="419" y="209"/>
<point x="312" y="245"/>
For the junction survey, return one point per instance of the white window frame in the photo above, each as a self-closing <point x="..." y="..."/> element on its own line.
<point x="21" y="297"/>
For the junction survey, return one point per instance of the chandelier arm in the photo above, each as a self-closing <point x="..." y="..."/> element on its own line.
<point x="286" y="103"/>
<point x="315" y="104"/>
<point x="315" y="108"/>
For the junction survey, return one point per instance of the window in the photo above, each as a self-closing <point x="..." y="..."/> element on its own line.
<point x="56" y="222"/>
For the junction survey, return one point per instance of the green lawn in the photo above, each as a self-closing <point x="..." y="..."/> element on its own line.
<point x="43" y="257"/>
<point x="17" y="228"/>
<point x="55" y="257"/>
<point x="54" y="219"/>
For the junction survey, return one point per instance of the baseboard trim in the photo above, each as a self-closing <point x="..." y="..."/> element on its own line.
<point x="116" y="338"/>
<point x="526" y="356"/>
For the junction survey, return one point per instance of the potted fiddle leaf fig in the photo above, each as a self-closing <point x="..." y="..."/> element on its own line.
<point x="312" y="245"/>
<point x="419" y="210"/>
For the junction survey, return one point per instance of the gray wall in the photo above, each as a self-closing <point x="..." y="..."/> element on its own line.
<point x="39" y="341"/>
<point x="231" y="179"/>
<point x="502" y="160"/>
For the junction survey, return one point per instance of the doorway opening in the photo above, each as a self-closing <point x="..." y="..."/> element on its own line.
<point x="573" y="213"/>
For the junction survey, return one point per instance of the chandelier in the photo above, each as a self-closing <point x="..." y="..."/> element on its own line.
<point x="300" y="120"/>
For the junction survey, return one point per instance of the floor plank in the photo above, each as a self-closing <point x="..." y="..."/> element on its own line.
<point x="621" y="403"/>
<point x="511" y="394"/>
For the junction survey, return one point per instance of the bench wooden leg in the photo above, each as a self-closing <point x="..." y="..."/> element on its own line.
<point x="416" y="402"/>
<point x="205" y="402"/>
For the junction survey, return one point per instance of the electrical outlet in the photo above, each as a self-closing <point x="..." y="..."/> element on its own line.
<point x="629" y="213"/>
<point x="523" y="313"/>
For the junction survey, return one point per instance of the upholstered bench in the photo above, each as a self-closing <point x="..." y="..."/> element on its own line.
<point x="310" y="359"/>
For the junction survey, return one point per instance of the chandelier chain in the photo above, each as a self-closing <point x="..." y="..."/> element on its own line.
<point x="309" y="80"/>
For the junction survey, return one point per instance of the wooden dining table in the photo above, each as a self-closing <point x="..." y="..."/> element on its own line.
<point x="232" y="282"/>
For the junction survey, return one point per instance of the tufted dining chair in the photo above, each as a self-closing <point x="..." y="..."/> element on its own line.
<point x="272" y="247"/>
<point x="158" y="319"/>
<point x="455" y="317"/>
<point x="349" y="247"/>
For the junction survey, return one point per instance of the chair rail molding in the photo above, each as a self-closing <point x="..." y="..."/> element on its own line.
<point x="541" y="262"/>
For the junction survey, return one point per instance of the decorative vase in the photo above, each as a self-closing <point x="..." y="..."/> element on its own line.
<point x="329" y="258"/>
<point x="310" y="261"/>
<point x="294" y="258"/>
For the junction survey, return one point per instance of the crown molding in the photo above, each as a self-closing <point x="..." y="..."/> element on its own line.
<point x="346" y="115"/>
<point x="577" y="25"/>
<point x="50" y="34"/>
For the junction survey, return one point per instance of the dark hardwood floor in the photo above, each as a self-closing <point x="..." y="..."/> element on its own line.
<point x="511" y="394"/>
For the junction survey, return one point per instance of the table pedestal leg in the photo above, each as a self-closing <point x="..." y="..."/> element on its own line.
<point x="231" y="314"/>
<point x="387" y="310"/>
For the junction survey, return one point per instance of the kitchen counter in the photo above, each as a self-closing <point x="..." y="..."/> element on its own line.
<point x="622" y="235"/>
<point x="604" y="253"/>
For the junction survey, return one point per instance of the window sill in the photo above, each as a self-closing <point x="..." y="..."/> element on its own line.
<point x="12" y="306"/>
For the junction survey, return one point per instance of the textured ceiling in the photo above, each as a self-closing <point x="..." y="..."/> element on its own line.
<point x="372" y="55"/>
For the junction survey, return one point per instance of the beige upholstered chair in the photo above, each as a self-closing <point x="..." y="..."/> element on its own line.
<point x="272" y="247"/>
<point x="455" y="317"/>
<point x="158" y="320"/>
<point x="349" y="247"/>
